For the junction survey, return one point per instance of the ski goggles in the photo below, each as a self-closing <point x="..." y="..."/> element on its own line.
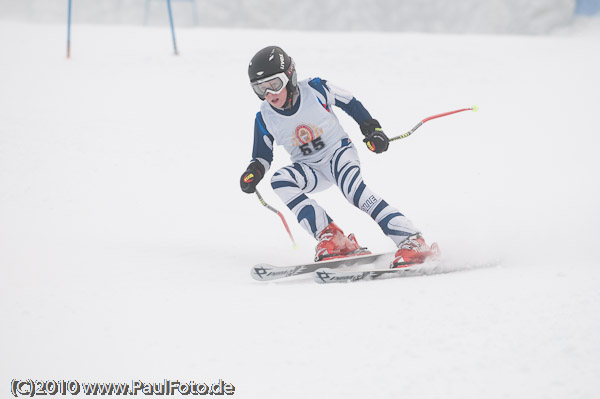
<point x="272" y="84"/>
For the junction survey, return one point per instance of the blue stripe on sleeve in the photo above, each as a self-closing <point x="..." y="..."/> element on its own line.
<point x="355" y="109"/>
<point x="261" y="149"/>
<point x="318" y="85"/>
<point x="261" y="124"/>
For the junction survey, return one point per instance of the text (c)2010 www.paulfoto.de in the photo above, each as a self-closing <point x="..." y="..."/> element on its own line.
<point x="31" y="388"/>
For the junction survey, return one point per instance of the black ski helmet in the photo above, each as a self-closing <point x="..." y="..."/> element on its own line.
<point x="270" y="61"/>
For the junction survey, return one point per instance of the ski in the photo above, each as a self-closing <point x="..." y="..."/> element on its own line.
<point x="266" y="272"/>
<point x="327" y="275"/>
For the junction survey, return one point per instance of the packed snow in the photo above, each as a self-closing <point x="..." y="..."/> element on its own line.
<point x="126" y="243"/>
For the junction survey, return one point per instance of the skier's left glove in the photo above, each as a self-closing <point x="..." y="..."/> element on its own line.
<point x="375" y="138"/>
<point x="250" y="178"/>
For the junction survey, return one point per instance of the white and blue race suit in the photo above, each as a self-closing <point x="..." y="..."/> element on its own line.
<point x="322" y="155"/>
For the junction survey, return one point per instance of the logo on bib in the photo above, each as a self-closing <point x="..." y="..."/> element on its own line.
<point x="305" y="134"/>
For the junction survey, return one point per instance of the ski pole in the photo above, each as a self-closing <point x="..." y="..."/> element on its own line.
<point x="418" y="125"/>
<point x="269" y="207"/>
<point x="172" y="27"/>
<point x="69" y="32"/>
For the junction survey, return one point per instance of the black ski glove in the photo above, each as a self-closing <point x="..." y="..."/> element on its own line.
<point x="375" y="138"/>
<point x="252" y="176"/>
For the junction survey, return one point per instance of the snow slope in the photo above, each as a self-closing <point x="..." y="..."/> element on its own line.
<point x="126" y="244"/>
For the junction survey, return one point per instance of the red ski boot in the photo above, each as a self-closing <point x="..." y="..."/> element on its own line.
<point x="412" y="251"/>
<point x="333" y="244"/>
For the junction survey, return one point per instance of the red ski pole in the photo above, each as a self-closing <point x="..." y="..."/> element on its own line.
<point x="418" y="125"/>
<point x="269" y="207"/>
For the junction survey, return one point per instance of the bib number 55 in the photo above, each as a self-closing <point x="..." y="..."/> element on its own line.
<point x="312" y="146"/>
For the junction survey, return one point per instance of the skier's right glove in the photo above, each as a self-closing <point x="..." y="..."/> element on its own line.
<point x="375" y="138"/>
<point x="250" y="178"/>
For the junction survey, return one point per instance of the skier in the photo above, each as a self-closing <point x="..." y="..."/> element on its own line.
<point x="299" y="116"/>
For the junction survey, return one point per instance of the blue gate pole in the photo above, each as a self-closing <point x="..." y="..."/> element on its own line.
<point x="69" y="32"/>
<point x="172" y="27"/>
